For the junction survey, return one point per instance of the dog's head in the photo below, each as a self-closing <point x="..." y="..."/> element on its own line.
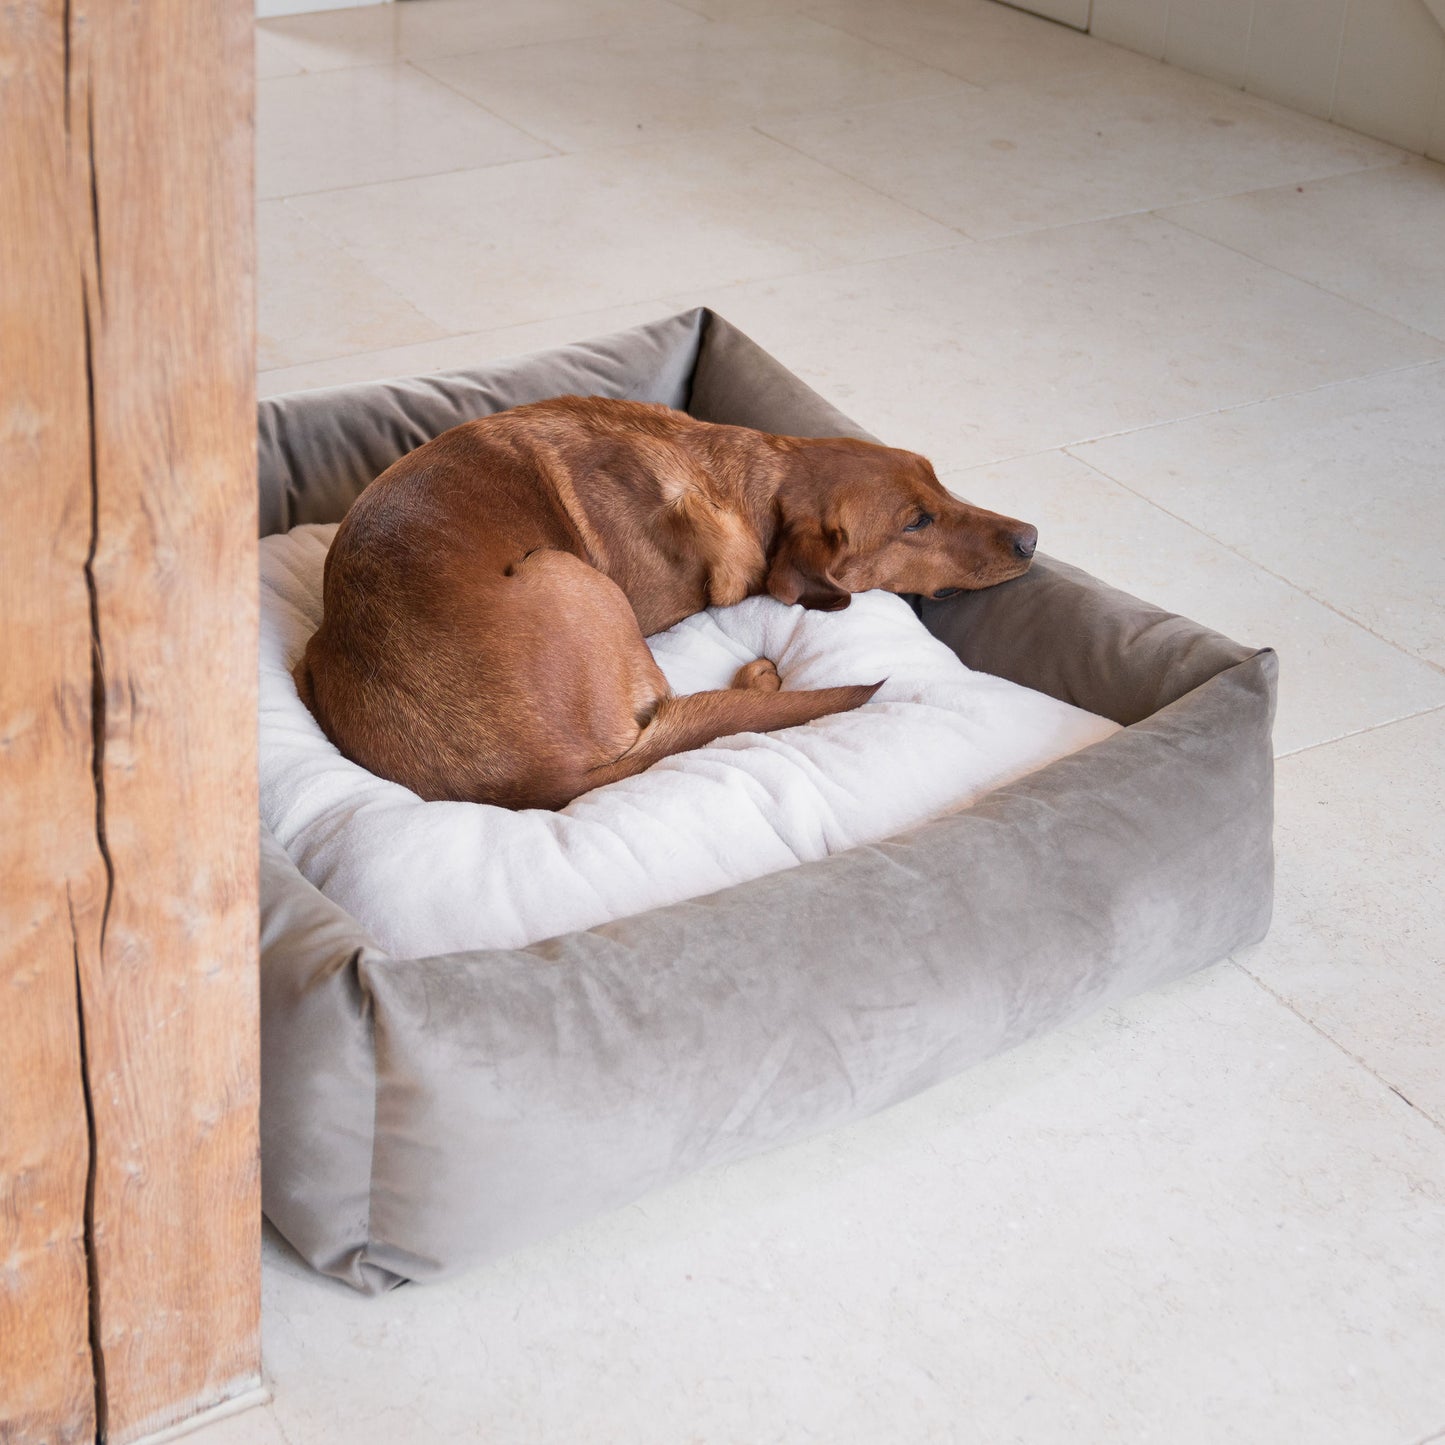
<point x="855" y="516"/>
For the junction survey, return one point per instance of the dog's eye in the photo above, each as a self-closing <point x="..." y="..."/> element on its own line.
<point x="921" y="521"/>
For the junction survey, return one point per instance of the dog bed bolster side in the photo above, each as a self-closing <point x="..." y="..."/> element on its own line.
<point x="317" y="450"/>
<point x="318" y="1074"/>
<point x="1062" y="632"/>
<point x="519" y="1092"/>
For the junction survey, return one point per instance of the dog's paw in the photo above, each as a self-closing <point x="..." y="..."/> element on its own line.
<point x="758" y="676"/>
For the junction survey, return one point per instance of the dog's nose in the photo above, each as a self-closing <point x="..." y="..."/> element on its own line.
<point x="1025" y="541"/>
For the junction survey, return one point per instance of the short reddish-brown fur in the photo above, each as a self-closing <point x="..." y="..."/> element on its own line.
<point x="486" y="598"/>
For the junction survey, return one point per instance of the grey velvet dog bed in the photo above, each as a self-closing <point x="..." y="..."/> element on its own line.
<point x="421" y="1114"/>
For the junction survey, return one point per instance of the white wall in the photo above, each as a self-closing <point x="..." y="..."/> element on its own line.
<point x="1377" y="66"/>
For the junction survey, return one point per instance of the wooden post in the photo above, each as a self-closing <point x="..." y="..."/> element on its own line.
<point x="129" y="1187"/>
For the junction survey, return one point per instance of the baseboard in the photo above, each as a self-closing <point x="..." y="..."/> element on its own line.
<point x="261" y="1395"/>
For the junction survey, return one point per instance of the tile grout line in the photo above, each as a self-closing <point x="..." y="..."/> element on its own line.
<point x="485" y="110"/>
<point x="276" y="1420"/>
<point x="901" y="54"/>
<point x="802" y="271"/>
<point x="1223" y="410"/>
<point x="486" y="48"/>
<point x="886" y="49"/>
<point x="1244" y="557"/>
<point x="1349" y="1053"/>
<point x="376" y="287"/>
<point x="1155" y="211"/>
<point x="419" y="64"/>
<point x="554" y="152"/>
<point x="1358" y="732"/>
<point x="664" y="297"/>
<point x="735" y="128"/>
<point x="683" y="8"/>
<point x="890" y="49"/>
<point x="421" y="175"/>
<point x="1152" y="210"/>
<point x="1386" y="163"/>
<point x="619" y="32"/>
<point x="555" y="155"/>
<point x="1429" y="336"/>
<point x="757" y="128"/>
<point x="1086" y="441"/>
<point x="1047" y="20"/>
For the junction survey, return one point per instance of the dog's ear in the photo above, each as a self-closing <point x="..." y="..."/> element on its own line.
<point x="802" y="565"/>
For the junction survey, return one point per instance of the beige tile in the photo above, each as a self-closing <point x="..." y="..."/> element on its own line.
<point x="273" y="57"/>
<point x="1335" y="678"/>
<point x="376" y="34"/>
<point x="1191" y="1219"/>
<point x="251" y="1427"/>
<point x="454" y="27"/>
<point x="996" y="349"/>
<point x="1073" y="148"/>
<point x="1209" y="37"/>
<point x="472" y="349"/>
<point x="1074" y="13"/>
<point x="483" y="249"/>
<point x="1390" y="66"/>
<point x="335" y="39"/>
<point x="742" y="9"/>
<point x="1358" y="943"/>
<point x="619" y="89"/>
<point x="1337" y="490"/>
<point x="313" y="300"/>
<point x="1135" y="24"/>
<point x="978" y="40"/>
<point x="1376" y="237"/>
<point x="1294" y="51"/>
<point x="376" y="123"/>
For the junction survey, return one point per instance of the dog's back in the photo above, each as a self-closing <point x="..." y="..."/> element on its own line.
<point x="486" y="598"/>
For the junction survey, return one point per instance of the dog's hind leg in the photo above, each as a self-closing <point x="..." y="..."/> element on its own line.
<point x="682" y="723"/>
<point x="595" y="705"/>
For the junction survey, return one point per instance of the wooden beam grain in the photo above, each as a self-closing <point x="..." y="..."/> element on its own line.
<point x="162" y="94"/>
<point x="130" y="1217"/>
<point x="52" y="878"/>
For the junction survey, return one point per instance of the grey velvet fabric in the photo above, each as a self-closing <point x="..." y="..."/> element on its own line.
<point x="418" y="1115"/>
<point x="318" y="449"/>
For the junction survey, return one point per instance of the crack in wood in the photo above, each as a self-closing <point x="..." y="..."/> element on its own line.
<point x="65" y="42"/>
<point x="92" y="1268"/>
<point x="94" y="232"/>
<point x="97" y="770"/>
<point x="143" y="1341"/>
<point x="97" y="647"/>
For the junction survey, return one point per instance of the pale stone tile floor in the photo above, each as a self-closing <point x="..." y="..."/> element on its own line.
<point x="1199" y="340"/>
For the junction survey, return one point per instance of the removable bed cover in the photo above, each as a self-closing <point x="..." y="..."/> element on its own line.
<point x="422" y="1114"/>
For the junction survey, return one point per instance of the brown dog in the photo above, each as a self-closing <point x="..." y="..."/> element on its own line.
<point x="486" y="598"/>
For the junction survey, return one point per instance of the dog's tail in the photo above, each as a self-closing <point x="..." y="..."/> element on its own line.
<point x="693" y="721"/>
